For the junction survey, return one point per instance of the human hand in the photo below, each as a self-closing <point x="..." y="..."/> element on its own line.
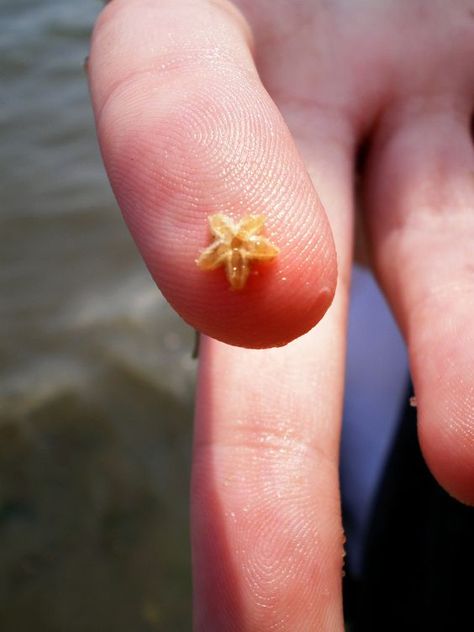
<point x="187" y="129"/>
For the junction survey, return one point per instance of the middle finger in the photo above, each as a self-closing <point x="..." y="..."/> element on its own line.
<point x="267" y="533"/>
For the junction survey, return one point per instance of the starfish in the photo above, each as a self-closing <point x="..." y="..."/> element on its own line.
<point x="235" y="246"/>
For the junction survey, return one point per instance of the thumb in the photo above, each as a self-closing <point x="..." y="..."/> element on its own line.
<point x="187" y="131"/>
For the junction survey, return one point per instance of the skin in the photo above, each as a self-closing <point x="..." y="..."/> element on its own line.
<point x="205" y="106"/>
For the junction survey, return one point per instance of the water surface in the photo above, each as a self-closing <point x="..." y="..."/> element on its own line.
<point x="96" y="377"/>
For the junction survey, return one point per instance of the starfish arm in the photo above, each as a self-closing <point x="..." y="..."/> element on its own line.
<point x="261" y="249"/>
<point x="236" y="246"/>
<point x="222" y="227"/>
<point x="213" y="256"/>
<point x="249" y="226"/>
<point x="237" y="270"/>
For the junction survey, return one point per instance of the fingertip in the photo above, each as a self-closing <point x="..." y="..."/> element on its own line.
<point x="448" y="449"/>
<point x="191" y="132"/>
<point x="442" y="363"/>
<point x="281" y="300"/>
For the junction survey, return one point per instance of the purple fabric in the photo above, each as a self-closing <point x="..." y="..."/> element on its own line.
<point x="376" y="383"/>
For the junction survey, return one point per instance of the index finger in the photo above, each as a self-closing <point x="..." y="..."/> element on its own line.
<point x="187" y="131"/>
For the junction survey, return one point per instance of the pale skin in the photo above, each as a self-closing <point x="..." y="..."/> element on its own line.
<point x="204" y="106"/>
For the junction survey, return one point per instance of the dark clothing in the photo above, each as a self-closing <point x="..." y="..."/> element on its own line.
<point x="419" y="559"/>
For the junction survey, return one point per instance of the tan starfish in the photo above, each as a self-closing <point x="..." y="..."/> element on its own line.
<point x="235" y="246"/>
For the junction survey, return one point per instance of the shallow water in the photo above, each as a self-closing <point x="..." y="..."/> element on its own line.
<point x="96" y="377"/>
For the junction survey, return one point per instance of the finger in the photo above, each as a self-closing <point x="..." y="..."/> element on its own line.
<point x="420" y="210"/>
<point x="187" y="131"/>
<point x="267" y="533"/>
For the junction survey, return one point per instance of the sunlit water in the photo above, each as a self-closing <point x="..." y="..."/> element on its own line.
<point x="96" y="375"/>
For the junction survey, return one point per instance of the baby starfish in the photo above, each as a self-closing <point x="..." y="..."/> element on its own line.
<point x="235" y="246"/>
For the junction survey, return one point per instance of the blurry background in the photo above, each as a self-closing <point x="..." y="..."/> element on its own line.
<point x="96" y="376"/>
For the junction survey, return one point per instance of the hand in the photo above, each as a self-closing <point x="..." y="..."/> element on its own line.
<point x="187" y="129"/>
